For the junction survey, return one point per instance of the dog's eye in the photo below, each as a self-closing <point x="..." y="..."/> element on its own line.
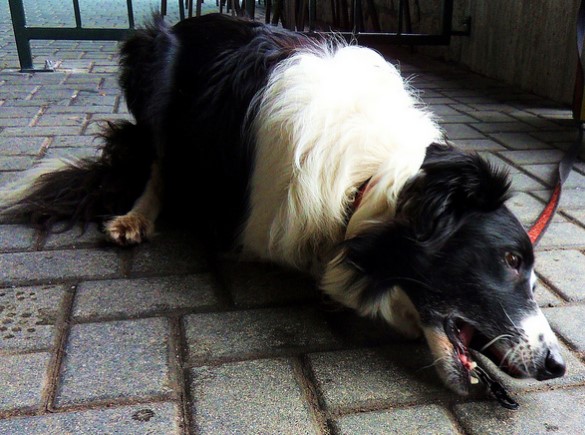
<point x="513" y="260"/>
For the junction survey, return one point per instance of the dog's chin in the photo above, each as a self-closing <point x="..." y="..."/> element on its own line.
<point x="454" y="375"/>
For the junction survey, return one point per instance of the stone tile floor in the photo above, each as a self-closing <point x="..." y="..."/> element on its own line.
<point x="162" y="339"/>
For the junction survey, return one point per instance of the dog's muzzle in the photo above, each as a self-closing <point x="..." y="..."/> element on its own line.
<point x="527" y="349"/>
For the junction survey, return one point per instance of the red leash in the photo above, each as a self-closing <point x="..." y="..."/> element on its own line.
<point x="538" y="228"/>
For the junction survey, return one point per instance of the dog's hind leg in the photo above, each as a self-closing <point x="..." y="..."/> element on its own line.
<point x="137" y="225"/>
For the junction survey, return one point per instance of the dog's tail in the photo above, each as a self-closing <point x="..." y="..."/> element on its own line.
<point x="79" y="191"/>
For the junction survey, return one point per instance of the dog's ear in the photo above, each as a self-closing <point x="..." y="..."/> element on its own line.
<point x="382" y="249"/>
<point x="450" y="185"/>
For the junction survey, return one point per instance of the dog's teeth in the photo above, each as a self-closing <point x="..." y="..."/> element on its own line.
<point x="474" y="380"/>
<point x="472" y="365"/>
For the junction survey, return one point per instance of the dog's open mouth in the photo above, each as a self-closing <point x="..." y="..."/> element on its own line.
<point x="460" y="334"/>
<point x="463" y="337"/>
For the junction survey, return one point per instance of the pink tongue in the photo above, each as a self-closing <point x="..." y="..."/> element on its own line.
<point x="465" y="334"/>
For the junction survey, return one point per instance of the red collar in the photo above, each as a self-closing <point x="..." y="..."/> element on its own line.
<point x="364" y="187"/>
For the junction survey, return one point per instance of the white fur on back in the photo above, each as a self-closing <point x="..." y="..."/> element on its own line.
<point x="329" y="119"/>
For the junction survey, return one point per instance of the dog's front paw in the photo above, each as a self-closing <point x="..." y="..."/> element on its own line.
<point x="129" y="229"/>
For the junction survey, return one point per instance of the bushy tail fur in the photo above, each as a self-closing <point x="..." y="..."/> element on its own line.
<point x="84" y="190"/>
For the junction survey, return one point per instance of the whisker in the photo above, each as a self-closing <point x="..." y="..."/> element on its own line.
<point x="506" y="355"/>
<point x="434" y="363"/>
<point x="503" y="336"/>
<point x="524" y="361"/>
<point x="518" y="330"/>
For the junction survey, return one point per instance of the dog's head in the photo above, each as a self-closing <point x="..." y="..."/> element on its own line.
<point x="455" y="263"/>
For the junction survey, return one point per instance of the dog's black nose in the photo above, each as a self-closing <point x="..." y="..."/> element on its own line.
<point x="554" y="366"/>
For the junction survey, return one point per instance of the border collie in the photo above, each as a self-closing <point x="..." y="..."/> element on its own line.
<point x="311" y="153"/>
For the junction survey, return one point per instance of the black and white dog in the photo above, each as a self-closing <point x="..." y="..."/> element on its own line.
<point x="312" y="153"/>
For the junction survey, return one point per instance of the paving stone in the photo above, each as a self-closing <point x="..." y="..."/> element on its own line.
<point x="477" y="145"/>
<point x="389" y="376"/>
<point x="50" y="266"/>
<point x="13" y="146"/>
<point x="432" y="101"/>
<point x="16" y="237"/>
<point x="12" y="112"/>
<point x="58" y="95"/>
<point x="251" y="333"/>
<point x="143" y="297"/>
<point x="569" y="321"/>
<point x="258" y="284"/>
<point x="444" y="110"/>
<point x="22" y="378"/>
<point x="169" y="253"/>
<point x="74" y="65"/>
<point x="564" y="270"/>
<point x="28" y="316"/>
<point x="22" y="103"/>
<point x="5" y="178"/>
<point x="519" y="141"/>
<point x="537" y="122"/>
<point x="539" y="413"/>
<point x="148" y="418"/>
<point x="249" y="397"/>
<point x="100" y="118"/>
<point x="497" y="107"/>
<point x="40" y="131"/>
<point x="55" y="120"/>
<point x="13" y="122"/>
<point x="457" y="91"/>
<point x="492" y="116"/>
<point x="563" y="235"/>
<point x="545" y="298"/>
<point x="462" y="131"/>
<point x="533" y="157"/>
<point x="474" y="100"/>
<point x="571" y="199"/>
<point x="114" y="360"/>
<point x="87" y="98"/>
<point x="75" y="141"/>
<point x="454" y="119"/>
<point x="547" y="173"/>
<point x="15" y="163"/>
<point x="577" y="215"/>
<point x="431" y="419"/>
<point x="524" y="183"/>
<point x="580" y="164"/>
<point x="501" y="127"/>
<point x="78" y="109"/>
<point x="77" y="152"/>
<point x="75" y="238"/>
